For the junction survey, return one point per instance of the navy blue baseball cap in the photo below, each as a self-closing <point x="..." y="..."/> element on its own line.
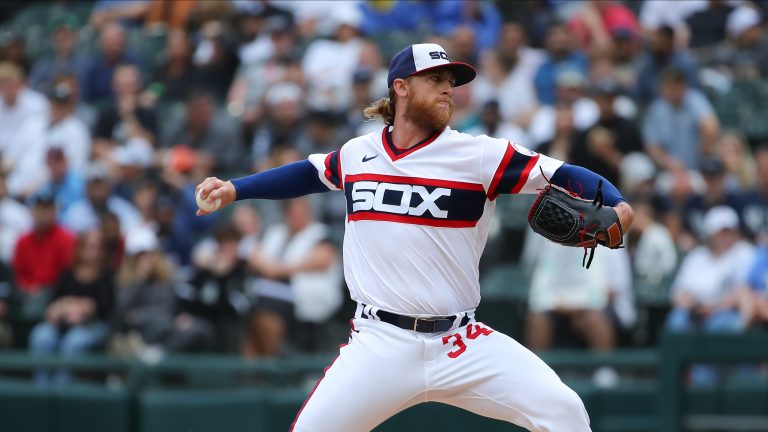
<point x="422" y="57"/>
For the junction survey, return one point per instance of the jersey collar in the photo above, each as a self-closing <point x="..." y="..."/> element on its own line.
<point x="395" y="153"/>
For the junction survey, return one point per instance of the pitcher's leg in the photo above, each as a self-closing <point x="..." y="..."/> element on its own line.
<point x="497" y="377"/>
<point x="373" y="378"/>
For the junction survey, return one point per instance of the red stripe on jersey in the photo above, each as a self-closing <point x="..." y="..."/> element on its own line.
<point x="395" y="153"/>
<point x="412" y="220"/>
<point x="351" y="178"/>
<point x="524" y="175"/>
<point x="500" y="172"/>
<point x="328" y="172"/>
<point x="293" y="425"/>
<point x="338" y="169"/>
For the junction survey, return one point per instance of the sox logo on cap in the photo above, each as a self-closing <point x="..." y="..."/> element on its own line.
<point x="421" y="57"/>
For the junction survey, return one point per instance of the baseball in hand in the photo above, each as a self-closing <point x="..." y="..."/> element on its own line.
<point x="207" y="205"/>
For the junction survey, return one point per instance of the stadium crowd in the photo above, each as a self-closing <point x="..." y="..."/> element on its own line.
<point x="112" y="111"/>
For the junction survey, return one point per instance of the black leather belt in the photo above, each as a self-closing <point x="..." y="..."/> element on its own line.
<point x="421" y="325"/>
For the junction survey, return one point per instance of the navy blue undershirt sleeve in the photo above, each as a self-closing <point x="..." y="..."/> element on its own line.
<point x="288" y="181"/>
<point x="584" y="182"/>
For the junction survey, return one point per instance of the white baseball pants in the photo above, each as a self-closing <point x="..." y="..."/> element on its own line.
<point x="384" y="370"/>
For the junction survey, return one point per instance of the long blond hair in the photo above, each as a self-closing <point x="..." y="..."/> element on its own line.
<point x="383" y="109"/>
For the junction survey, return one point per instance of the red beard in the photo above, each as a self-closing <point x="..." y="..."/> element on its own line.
<point x="428" y="114"/>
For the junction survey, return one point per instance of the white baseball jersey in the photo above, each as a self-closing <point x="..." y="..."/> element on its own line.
<point x="417" y="219"/>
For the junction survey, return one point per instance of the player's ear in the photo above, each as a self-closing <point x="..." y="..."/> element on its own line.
<point x="401" y="87"/>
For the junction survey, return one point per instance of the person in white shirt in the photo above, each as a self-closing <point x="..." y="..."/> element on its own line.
<point x="704" y="291"/>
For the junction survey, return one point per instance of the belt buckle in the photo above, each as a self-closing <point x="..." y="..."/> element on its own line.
<point x="415" y="324"/>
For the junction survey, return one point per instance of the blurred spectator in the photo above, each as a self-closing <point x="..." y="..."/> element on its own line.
<point x="252" y="80"/>
<point x="6" y="302"/>
<point x="128" y="13"/>
<point x="64" y="60"/>
<point x="113" y="239"/>
<point x="582" y="307"/>
<point x="707" y="26"/>
<point x="42" y="255"/>
<point x="77" y="318"/>
<point x="715" y="194"/>
<point x="329" y="64"/>
<point x="145" y="296"/>
<point x="214" y="301"/>
<point x="283" y="126"/>
<point x="744" y="52"/>
<point x="482" y="19"/>
<point x="256" y="45"/>
<point x="754" y="212"/>
<point x="662" y="55"/>
<point x="507" y="83"/>
<point x="177" y="75"/>
<point x="66" y="129"/>
<point x="298" y="285"/>
<point x="323" y="133"/>
<point x="64" y="183"/>
<point x="125" y="118"/>
<point x="602" y="146"/>
<point x="595" y="22"/>
<point x="362" y="96"/>
<point x="144" y="196"/>
<point x="650" y="245"/>
<point x="23" y="118"/>
<point x="561" y="56"/>
<point x="680" y="126"/>
<point x="570" y="91"/>
<point x="626" y="46"/>
<point x="15" y="220"/>
<point x="214" y="137"/>
<point x="132" y="163"/>
<point x="506" y="74"/>
<point x="669" y="13"/>
<point x="559" y="146"/>
<point x="705" y="291"/>
<point x="176" y="242"/>
<point x="753" y="295"/>
<point x="85" y="214"/>
<point x="215" y="57"/>
<point x="13" y="50"/>
<point x="173" y="15"/>
<point x="97" y="79"/>
<point x="492" y="124"/>
<point x="732" y="148"/>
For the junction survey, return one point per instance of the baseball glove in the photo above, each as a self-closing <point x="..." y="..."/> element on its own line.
<point x="567" y="219"/>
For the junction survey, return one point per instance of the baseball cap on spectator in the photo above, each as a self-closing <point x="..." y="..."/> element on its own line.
<point x="42" y="199"/>
<point x="636" y="168"/>
<point x="720" y="218"/>
<point x="283" y="92"/>
<point x="711" y="165"/>
<point x="135" y="152"/>
<point x="346" y="14"/>
<point x="741" y="20"/>
<point x="423" y="57"/>
<point x="140" y="240"/>
<point x="606" y="87"/>
<point x="68" y="22"/>
<point x="61" y="92"/>
<point x="570" y="78"/>
<point x="362" y="75"/>
<point x="623" y="33"/>
<point x="96" y="172"/>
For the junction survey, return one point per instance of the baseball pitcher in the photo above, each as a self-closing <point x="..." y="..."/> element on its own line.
<point x="420" y="197"/>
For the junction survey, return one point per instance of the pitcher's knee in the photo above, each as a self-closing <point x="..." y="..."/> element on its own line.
<point x="567" y="413"/>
